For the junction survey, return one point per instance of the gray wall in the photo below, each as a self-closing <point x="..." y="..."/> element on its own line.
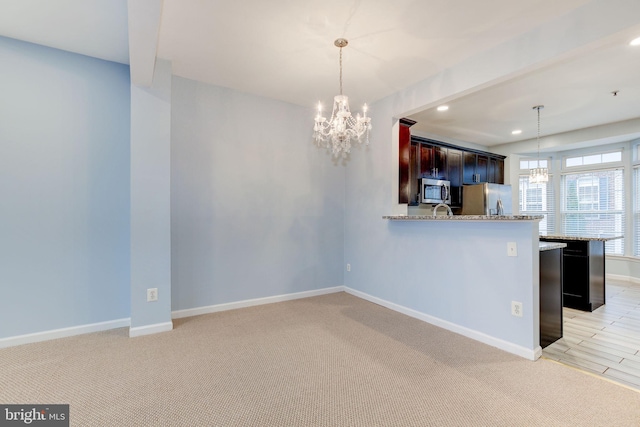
<point x="64" y="189"/>
<point x="256" y="208"/>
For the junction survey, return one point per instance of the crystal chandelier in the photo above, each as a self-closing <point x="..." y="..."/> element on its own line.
<point x="337" y="132"/>
<point x="538" y="174"/>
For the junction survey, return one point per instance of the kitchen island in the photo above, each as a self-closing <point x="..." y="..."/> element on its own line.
<point x="583" y="270"/>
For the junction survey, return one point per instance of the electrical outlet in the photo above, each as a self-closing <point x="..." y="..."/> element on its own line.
<point x="348" y="267"/>
<point x="516" y="308"/>
<point x="152" y="294"/>
<point x="512" y="249"/>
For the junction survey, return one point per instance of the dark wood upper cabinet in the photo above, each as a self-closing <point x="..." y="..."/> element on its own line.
<point x="496" y="171"/>
<point x="414" y="187"/>
<point x="469" y="168"/>
<point x="426" y="158"/>
<point x="480" y="167"/>
<point x="433" y="161"/>
<point x="454" y="175"/>
<point x="439" y="162"/>
<point x="499" y="172"/>
<point x="406" y="169"/>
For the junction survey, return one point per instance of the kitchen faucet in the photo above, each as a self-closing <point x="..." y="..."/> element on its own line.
<point x="435" y="209"/>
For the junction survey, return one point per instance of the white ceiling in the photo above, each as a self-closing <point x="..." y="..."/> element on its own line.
<point x="283" y="49"/>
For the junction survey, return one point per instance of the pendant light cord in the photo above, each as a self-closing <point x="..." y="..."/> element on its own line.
<point x="538" y="107"/>
<point x="538" y="135"/>
<point x="340" y="71"/>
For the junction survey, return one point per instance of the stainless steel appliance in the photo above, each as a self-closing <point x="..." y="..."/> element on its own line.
<point x="435" y="191"/>
<point x="486" y="199"/>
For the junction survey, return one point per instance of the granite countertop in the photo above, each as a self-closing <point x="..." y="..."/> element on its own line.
<point x="580" y="238"/>
<point x="547" y="246"/>
<point x="463" y="217"/>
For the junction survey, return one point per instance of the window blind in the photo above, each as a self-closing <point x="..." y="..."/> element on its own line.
<point x="636" y="211"/>
<point x="538" y="199"/>
<point x="593" y="205"/>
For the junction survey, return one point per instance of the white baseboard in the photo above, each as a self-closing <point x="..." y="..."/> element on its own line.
<point x="150" y="329"/>
<point x="178" y="314"/>
<point x="64" y="332"/>
<point x="469" y="333"/>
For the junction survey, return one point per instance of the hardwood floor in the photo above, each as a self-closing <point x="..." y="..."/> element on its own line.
<point x="605" y="342"/>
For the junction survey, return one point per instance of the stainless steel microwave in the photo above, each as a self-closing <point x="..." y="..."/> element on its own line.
<point x="435" y="191"/>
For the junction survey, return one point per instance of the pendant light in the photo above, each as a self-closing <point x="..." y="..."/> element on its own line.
<point x="538" y="174"/>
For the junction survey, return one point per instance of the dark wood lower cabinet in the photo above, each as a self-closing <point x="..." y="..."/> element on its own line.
<point x="550" y="296"/>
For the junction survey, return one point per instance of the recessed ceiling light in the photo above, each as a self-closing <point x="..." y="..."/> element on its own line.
<point x="516" y="132"/>
<point x="635" y="42"/>
<point x="443" y="108"/>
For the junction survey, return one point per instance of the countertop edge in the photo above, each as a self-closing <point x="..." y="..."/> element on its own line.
<point x="548" y="246"/>
<point x="579" y="238"/>
<point x="463" y="217"/>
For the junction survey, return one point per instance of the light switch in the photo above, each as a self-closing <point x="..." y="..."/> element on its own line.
<point x="512" y="249"/>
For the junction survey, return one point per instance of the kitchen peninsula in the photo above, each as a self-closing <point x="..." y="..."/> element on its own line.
<point x="472" y="268"/>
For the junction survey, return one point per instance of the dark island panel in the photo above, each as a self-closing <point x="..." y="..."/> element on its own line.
<point x="550" y="296"/>
<point x="583" y="271"/>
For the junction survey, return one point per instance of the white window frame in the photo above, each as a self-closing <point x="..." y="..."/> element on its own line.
<point x="593" y="166"/>
<point x="618" y="244"/>
<point x="550" y="210"/>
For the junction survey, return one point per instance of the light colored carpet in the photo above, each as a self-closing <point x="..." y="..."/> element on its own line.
<point x="332" y="360"/>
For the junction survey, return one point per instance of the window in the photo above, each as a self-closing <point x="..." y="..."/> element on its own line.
<point x="593" y="205"/>
<point x="531" y="164"/>
<point x="636" y="210"/>
<point x="593" y="159"/>
<point x="537" y="199"/>
<point x="588" y="193"/>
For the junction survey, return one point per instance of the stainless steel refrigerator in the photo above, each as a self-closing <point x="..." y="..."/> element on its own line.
<point x="486" y="199"/>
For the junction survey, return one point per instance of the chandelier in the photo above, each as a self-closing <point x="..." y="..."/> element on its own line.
<point x="538" y="174"/>
<point x="337" y="132"/>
